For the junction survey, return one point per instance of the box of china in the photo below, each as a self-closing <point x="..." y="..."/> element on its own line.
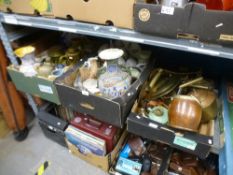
<point x="113" y="111"/>
<point x="36" y="85"/>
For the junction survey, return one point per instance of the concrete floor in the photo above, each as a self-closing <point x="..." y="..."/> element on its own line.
<point x="24" y="158"/>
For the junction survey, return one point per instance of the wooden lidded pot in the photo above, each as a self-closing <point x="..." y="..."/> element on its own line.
<point x="185" y="113"/>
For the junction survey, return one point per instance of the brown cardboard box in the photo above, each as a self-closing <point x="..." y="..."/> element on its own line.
<point x="119" y="12"/>
<point x="23" y="7"/>
<point x="103" y="162"/>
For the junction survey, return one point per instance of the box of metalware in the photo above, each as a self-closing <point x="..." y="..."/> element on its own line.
<point x="51" y="124"/>
<point x="118" y="13"/>
<point x="179" y="162"/>
<point x="153" y="112"/>
<point x="104" y="162"/>
<point x="113" y="111"/>
<point x="167" y="21"/>
<point x="32" y="7"/>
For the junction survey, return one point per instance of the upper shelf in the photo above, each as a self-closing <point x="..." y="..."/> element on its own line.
<point x="15" y="33"/>
<point x="116" y="33"/>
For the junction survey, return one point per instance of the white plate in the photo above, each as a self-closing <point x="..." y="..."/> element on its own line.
<point x="111" y="54"/>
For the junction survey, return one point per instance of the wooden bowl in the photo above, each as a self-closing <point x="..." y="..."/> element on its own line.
<point x="185" y="113"/>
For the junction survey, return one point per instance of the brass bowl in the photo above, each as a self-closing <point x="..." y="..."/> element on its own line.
<point x="185" y="113"/>
<point x="208" y="101"/>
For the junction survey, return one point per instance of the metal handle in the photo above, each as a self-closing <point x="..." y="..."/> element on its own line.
<point x="189" y="83"/>
<point x="87" y="106"/>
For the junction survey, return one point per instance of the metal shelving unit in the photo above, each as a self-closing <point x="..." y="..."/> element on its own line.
<point x="217" y="51"/>
<point x="10" y="54"/>
<point x="116" y="33"/>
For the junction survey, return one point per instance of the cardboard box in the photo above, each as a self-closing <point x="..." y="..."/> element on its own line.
<point x="193" y="21"/>
<point x="212" y="162"/>
<point x="215" y="26"/>
<point x="162" y="168"/>
<point x="38" y="86"/>
<point x="103" y="162"/>
<point x="119" y="13"/>
<point x="52" y="126"/>
<point x="194" y="143"/>
<point x="162" y="20"/>
<point x="112" y="111"/>
<point x="26" y="6"/>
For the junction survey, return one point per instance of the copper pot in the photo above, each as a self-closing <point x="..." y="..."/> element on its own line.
<point x="185" y="113"/>
<point x="208" y="101"/>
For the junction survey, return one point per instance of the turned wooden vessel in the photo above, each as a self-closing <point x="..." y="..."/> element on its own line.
<point x="185" y="113"/>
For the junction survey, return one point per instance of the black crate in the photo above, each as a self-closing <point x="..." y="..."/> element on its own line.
<point x="52" y="126"/>
<point x="195" y="143"/>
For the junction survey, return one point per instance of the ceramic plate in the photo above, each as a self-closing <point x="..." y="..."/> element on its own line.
<point x="111" y="54"/>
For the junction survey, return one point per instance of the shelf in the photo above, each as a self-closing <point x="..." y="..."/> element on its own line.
<point x="116" y="33"/>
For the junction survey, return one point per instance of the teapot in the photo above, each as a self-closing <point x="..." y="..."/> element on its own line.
<point x="55" y="53"/>
<point x="71" y="56"/>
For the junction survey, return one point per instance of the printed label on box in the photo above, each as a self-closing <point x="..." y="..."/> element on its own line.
<point x="167" y="10"/>
<point x="186" y="143"/>
<point x="144" y="14"/>
<point x="46" y="89"/>
<point x="226" y="37"/>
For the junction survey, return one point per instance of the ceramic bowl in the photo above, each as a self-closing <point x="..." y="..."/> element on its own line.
<point x="114" y="86"/>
